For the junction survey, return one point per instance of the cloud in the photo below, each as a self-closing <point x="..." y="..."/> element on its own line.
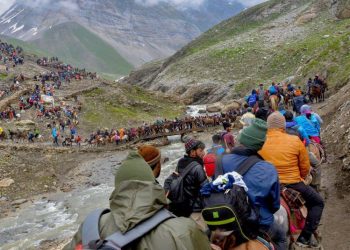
<point x="5" y="5"/>
<point x="195" y="3"/>
<point x="51" y="4"/>
<point x="249" y="3"/>
<point x="179" y="3"/>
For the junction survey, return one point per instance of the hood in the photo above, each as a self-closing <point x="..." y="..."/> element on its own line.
<point x="136" y="196"/>
<point x="291" y="124"/>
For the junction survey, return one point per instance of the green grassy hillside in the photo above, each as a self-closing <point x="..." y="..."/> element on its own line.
<point x="75" y="44"/>
<point x="27" y="47"/>
<point x="269" y="42"/>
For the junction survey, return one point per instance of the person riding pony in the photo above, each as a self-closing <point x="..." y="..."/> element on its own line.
<point x="273" y="96"/>
<point x="310" y="123"/>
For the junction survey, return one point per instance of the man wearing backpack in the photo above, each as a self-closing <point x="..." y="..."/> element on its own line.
<point x="261" y="179"/>
<point x="191" y="169"/>
<point x="212" y="154"/>
<point x="253" y="99"/>
<point x="135" y="200"/>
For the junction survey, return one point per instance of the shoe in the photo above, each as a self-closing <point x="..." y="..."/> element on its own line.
<point x="302" y="242"/>
<point x="307" y="243"/>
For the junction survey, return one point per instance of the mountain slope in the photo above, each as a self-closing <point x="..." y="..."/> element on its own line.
<point x="271" y="41"/>
<point x="138" y="32"/>
<point x="76" y="45"/>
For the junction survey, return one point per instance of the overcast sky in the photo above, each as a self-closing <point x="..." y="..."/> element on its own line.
<point x="5" y="4"/>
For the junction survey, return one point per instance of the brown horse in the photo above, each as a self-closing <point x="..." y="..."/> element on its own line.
<point x="317" y="157"/>
<point x="315" y="93"/>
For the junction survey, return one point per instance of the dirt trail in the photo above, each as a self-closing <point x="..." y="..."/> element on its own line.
<point x="335" y="174"/>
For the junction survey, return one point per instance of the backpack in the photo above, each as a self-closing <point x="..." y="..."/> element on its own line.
<point x="174" y="185"/>
<point x="210" y="161"/>
<point x="252" y="100"/>
<point x="91" y="238"/>
<point x="231" y="210"/>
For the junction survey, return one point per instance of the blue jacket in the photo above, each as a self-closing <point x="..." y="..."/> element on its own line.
<point x="299" y="129"/>
<point x="216" y="149"/>
<point x="263" y="185"/>
<point x="54" y="132"/>
<point x="312" y="127"/>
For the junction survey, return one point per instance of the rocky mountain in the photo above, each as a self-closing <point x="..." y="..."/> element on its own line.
<point x="276" y="40"/>
<point x="138" y="31"/>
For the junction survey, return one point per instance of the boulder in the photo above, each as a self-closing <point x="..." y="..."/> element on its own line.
<point x="306" y="18"/>
<point x="232" y="105"/>
<point x="25" y="123"/>
<point x="18" y="202"/>
<point x="215" y="107"/>
<point x="6" y="182"/>
<point x="340" y="8"/>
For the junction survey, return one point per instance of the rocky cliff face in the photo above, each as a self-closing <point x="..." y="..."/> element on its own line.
<point x="140" y="33"/>
<point x="340" y="8"/>
<point x="277" y="40"/>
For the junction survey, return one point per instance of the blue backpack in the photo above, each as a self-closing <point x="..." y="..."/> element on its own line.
<point x="252" y="100"/>
<point x="272" y="90"/>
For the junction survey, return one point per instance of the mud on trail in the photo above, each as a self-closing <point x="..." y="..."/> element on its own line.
<point x="336" y="172"/>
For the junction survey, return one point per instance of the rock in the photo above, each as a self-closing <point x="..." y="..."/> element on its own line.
<point x="6" y="182"/>
<point x="232" y="105"/>
<point x="326" y="36"/>
<point x="306" y="18"/>
<point x="346" y="164"/>
<point x="288" y="80"/>
<point x="3" y="198"/>
<point x="215" y="107"/>
<point x="24" y="123"/>
<point x="18" y="202"/>
<point x="341" y="8"/>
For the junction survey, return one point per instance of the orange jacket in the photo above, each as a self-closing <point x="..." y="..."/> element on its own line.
<point x="288" y="154"/>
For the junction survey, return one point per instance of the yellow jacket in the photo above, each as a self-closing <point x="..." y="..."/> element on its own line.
<point x="288" y="154"/>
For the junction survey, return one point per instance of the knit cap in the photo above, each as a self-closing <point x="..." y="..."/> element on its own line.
<point x="191" y="144"/>
<point x="305" y="109"/>
<point x="253" y="137"/>
<point x="276" y="120"/>
<point x="150" y="154"/>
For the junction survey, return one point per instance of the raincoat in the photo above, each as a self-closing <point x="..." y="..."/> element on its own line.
<point x="137" y="197"/>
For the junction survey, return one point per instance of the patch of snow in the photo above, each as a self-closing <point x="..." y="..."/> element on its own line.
<point x="15" y="28"/>
<point x="8" y="20"/>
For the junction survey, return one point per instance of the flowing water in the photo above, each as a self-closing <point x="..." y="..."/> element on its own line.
<point x="59" y="215"/>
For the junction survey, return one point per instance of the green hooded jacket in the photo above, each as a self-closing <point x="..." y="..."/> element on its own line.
<point x="137" y="197"/>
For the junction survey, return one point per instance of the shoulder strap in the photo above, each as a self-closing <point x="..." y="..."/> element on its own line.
<point x="188" y="168"/>
<point x="90" y="229"/>
<point x="120" y="240"/>
<point x="219" y="169"/>
<point x="247" y="164"/>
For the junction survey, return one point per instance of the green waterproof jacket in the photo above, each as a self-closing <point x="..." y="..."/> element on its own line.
<point x="137" y="197"/>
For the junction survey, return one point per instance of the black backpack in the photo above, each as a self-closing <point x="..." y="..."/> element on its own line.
<point x="91" y="238"/>
<point x="175" y="192"/>
<point x="231" y="210"/>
